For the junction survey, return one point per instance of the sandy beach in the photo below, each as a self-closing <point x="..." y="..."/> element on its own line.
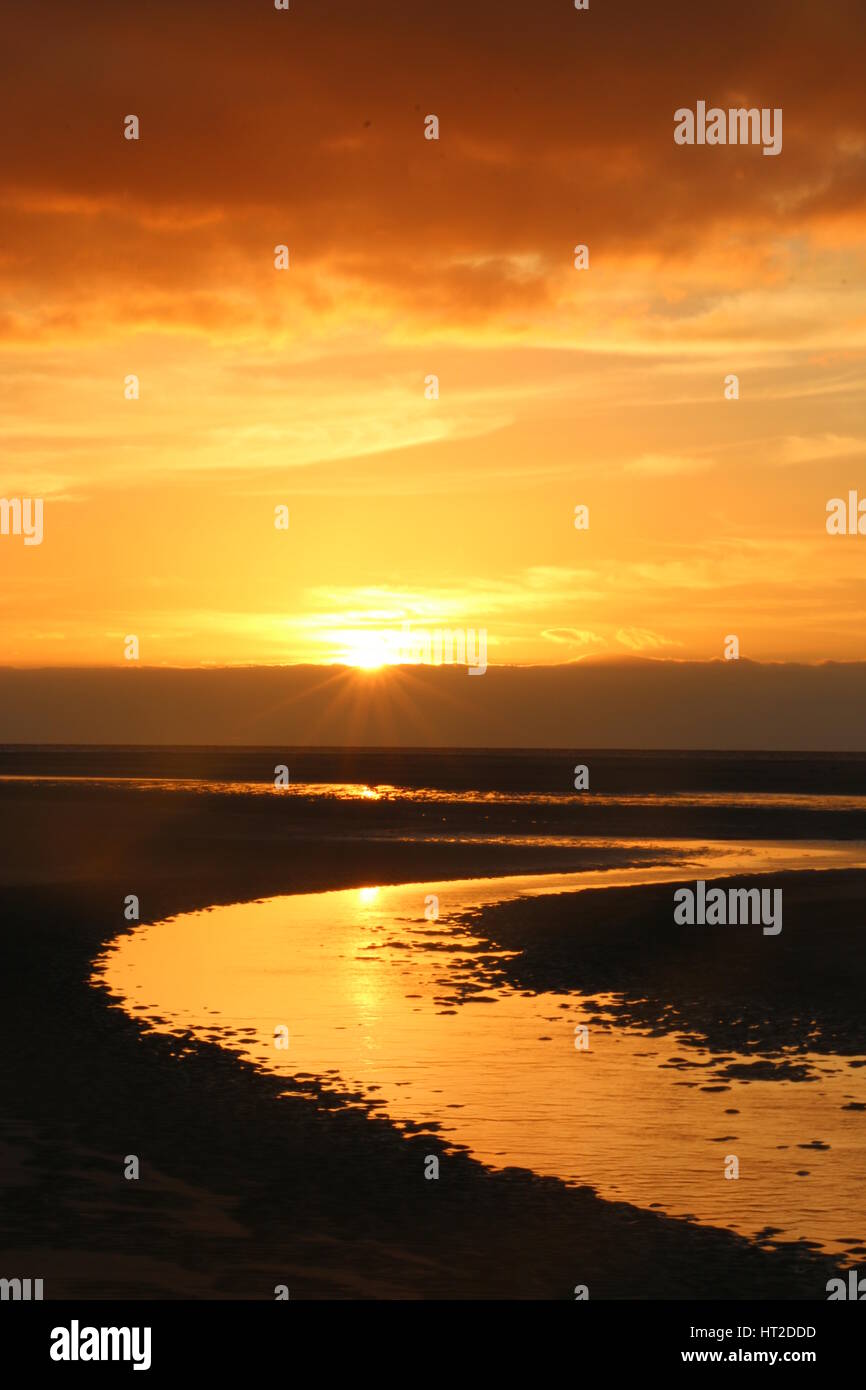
<point x="243" y="1189"/>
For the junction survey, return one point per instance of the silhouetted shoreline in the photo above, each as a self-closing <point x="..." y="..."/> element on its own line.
<point x="611" y="771"/>
<point x="242" y="1189"/>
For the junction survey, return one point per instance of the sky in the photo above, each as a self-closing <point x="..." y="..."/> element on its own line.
<point x="409" y="257"/>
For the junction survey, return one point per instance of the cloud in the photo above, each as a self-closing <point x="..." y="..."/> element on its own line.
<point x="412" y="257"/>
<point x="630" y="703"/>
<point x="573" y="636"/>
<point x="796" y="449"/>
<point x="641" y="639"/>
<point x="314" y="137"/>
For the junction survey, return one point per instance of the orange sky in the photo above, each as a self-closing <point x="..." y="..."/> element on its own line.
<point x="411" y="257"/>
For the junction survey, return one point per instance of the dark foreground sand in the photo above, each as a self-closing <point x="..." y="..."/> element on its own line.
<point x="728" y="988"/>
<point x="241" y="1191"/>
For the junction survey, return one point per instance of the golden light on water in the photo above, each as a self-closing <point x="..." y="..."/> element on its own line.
<point x="373" y="1001"/>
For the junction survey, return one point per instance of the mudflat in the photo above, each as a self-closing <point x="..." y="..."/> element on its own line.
<point x="243" y="1188"/>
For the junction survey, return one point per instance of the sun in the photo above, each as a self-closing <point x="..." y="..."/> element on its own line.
<point x="366" y="650"/>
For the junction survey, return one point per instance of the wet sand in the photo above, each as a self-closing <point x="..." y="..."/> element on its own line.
<point x="393" y="998"/>
<point x="241" y="1190"/>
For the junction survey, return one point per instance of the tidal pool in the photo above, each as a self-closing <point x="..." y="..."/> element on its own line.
<point x="368" y="989"/>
